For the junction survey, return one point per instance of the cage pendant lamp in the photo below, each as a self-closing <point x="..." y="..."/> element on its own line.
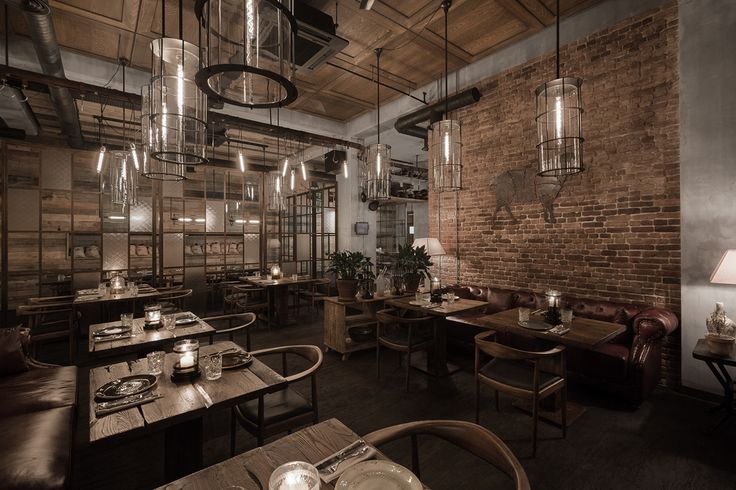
<point x="559" y="122"/>
<point x="378" y="155"/>
<point x="178" y="109"/>
<point x="154" y="168"/>
<point x="447" y="141"/>
<point x="248" y="51"/>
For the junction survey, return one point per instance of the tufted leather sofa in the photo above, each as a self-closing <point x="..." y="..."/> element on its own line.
<point x="628" y="365"/>
<point x="37" y="427"/>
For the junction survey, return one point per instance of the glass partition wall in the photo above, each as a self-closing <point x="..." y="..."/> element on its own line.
<point x="60" y="231"/>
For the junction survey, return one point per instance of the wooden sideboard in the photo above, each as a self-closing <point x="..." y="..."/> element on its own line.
<point x="340" y="316"/>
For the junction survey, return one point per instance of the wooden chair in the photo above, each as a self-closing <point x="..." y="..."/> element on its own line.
<point x="402" y="334"/>
<point x="524" y="374"/>
<point x="286" y="409"/>
<point x="173" y="301"/>
<point x="242" y="323"/>
<point x="50" y="320"/>
<point x="317" y="290"/>
<point x="475" y="439"/>
<point x="167" y="289"/>
<point x="243" y="298"/>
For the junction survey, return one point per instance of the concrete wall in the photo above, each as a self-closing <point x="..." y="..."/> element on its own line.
<point x="708" y="168"/>
<point x="350" y="210"/>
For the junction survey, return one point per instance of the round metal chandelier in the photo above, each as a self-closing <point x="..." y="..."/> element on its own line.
<point x="559" y="122"/>
<point x="249" y="52"/>
<point x="447" y="142"/>
<point x="178" y="109"/>
<point x="377" y="155"/>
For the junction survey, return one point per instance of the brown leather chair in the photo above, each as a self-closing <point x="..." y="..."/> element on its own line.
<point x="402" y="334"/>
<point x="286" y="409"/>
<point x="477" y="440"/>
<point x="523" y="374"/>
<point x="242" y="322"/>
<point x="50" y="318"/>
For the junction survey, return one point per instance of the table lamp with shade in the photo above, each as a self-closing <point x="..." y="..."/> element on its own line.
<point x="720" y="337"/>
<point x="434" y="249"/>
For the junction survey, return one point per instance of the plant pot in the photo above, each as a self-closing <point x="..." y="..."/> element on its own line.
<point x="362" y="334"/>
<point x="411" y="282"/>
<point x="346" y="289"/>
<point x="720" y="345"/>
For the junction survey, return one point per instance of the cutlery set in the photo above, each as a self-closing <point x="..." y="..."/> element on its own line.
<point x="104" y="408"/>
<point x="331" y="467"/>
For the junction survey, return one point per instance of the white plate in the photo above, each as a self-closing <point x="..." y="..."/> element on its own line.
<point x="417" y="303"/>
<point x="378" y="475"/>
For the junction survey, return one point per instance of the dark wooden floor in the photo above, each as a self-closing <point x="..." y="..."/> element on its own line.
<point x="662" y="444"/>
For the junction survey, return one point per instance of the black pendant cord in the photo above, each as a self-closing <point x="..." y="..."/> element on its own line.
<point x="181" y="19"/>
<point x="558" y="38"/>
<point x="378" y="96"/>
<point x="163" y="19"/>
<point x="7" y="37"/>
<point x="125" y="136"/>
<point x="446" y="6"/>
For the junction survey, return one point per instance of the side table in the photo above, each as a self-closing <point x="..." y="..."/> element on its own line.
<point x="717" y="365"/>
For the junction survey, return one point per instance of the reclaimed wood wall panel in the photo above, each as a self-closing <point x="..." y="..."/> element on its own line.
<point x="24" y="166"/>
<point x="23" y="252"/>
<point x="86" y="212"/>
<point x="56" y="209"/>
<point x="84" y="172"/>
<point x="55" y="256"/>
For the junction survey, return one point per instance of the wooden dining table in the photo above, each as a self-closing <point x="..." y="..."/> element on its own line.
<point x="180" y="410"/>
<point x="278" y="294"/>
<point x="144" y="339"/>
<point x="252" y="470"/>
<point x="436" y="363"/>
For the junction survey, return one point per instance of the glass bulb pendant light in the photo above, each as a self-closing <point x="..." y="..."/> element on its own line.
<point x="123" y="166"/>
<point x="248" y="51"/>
<point x="154" y="168"/>
<point x="377" y="155"/>
<point x="447" y="142"/>
<point x="178" y="109"/>
<point x="276" y="201"/>
<point x="559" y="122"/>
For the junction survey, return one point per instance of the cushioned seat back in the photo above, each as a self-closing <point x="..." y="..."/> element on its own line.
<point x="526" y="299"/>
<point x="498" y="299"/>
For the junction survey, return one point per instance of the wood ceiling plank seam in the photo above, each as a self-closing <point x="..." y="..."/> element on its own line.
<point x="135" y="32"/>
<point x="404" y="84"/>
<point x="58" y="8"/>
<point x="519" y="9"/>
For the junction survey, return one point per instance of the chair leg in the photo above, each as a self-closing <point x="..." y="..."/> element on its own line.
<point x="535" y="414"/>
<point x="564" y="411"/>
<point x="408" y="369"/>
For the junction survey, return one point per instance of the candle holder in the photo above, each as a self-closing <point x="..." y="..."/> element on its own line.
<point x="117" y="283"/>
<point x="296" y="475"/>
<point x="552" y="316"/>
<point x="275" y="272"/>
<point x="435" y="290"/>
<point x="152" y="317"/>
<point x="186" y="366"/>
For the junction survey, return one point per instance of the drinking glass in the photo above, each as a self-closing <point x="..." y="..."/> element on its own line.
<point x="102" y="288"/>
<point x="418" y="296"/>
<point x="523" y="314"/>
<point x="156" y="362"/>
<point x="169" y="321"/>
<point x="566" y="315"/>
<point x="213" y="366"/>
<point x="133" y="289"/>
<point x="268" y="277"/>
<point x="126" y="320"/>
<point x="293" y="476"/>
<point x="294" y="277"/>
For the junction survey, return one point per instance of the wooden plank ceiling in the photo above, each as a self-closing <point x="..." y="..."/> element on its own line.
<point x="410" y="31"/>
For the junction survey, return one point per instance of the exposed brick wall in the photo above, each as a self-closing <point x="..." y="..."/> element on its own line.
<point x="617" y="234"/>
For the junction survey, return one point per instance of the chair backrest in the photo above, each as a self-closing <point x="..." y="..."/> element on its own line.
<point x="167" y="289"/>
<point x="502" y="351"/>
<point x="242" y="321"/>
<point x="472" y="437"/>
<point x="176" y="294"/>
<point x="389" y="316"/>
<point x="38" y="313"/>
<point x="311" y="353"/>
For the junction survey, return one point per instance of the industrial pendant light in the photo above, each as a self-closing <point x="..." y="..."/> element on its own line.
<point x="447" y="142"/>
<point x="154" y="168"/>
<point x="276" y="200"/>
<point x="378" y="156"/>
<point x="249" y="51"/>
<point x="559" y="122"/>
<point x="178" y="109"/>
<point x="123" y="165"/>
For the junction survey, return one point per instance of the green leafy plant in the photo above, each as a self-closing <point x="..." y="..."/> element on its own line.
<point x="365" y="270"/>
<point x="346" y="264"/>
<point x="413" y="261"/>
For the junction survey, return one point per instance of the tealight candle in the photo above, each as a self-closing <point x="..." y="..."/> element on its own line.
<point x="276" y="272"/>
<point x="187" y="360"/>
<point x="186" y="366"/>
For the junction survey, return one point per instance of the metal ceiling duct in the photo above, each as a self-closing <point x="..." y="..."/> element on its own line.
<point x="408" y="123"/>
<point x="38" y="16"/>
<point x="15" y="112"/>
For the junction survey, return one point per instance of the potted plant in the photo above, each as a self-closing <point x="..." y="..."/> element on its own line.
<point x="414" y="263"/>
<point x="366" y="278"/>
<point x="345" y="266"/>
<point x="720" y="336"/>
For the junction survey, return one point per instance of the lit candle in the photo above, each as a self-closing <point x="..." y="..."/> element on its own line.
<point x="276" y="272"/>
<point x="187" y="360"/>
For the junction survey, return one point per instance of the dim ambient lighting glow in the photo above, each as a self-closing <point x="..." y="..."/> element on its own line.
<point x="378" y="163"/>
<point x="254" y="221"/>
<point x="180" y="86"/>
<point x="241" y="159"/>
<point x="304" y="171"/>
<point x="135" y="156"/>
<point x="286" y="167"/>
<point x="116" y="217"/>
<point x="101" y="158"/>
<point x="199" y="220"/>
<point x="447" y="146"/>
<point x="291" y="180"/>
<point x="345" y="168"/>
<point x="278" y="183"/>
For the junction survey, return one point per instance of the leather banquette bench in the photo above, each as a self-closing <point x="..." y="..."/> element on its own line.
<point x="629" y="365"/>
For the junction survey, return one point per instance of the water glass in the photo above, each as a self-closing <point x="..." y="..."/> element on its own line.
<point x="566" y="315"/>
<point x="156" y="362"/>
<point x="213" y="367"/>
<point x="169" y="321"/>
<point x="268" y="277"/>
<point x="293" y="476"/>
<point x="524" y="314"/>
<point x="133" y="289"/>
<point x="294" y="277"/>
<point x="102" y="289"/>
<point x="126" y="320"/>
<point x="418" y="296"/>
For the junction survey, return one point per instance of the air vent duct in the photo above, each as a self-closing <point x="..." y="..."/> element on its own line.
<point x="316" y="40"/>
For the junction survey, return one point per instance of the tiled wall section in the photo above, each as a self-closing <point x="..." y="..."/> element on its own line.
<point x="617" y="229"/>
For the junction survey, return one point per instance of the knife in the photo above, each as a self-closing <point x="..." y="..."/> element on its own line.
<point x="205" y="396"/>
<point x="104" y="408"/>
